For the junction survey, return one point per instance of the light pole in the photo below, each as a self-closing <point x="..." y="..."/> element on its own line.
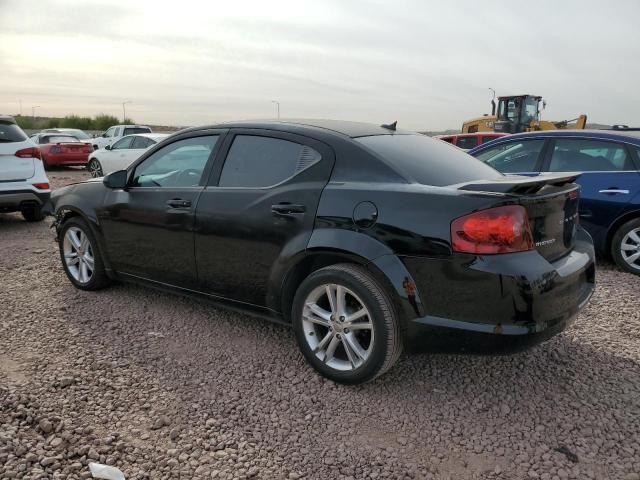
<point x="278" y="107"/>
<point x="33" y="112"/>
<point x="124" y="111"/>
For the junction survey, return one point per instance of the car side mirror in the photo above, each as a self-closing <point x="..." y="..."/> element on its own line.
<point x="116" y="180"/>
<point x="104" y="135"/>
<point x="108" y="147"/>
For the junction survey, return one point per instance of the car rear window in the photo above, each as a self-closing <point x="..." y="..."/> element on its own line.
<point x="10" y="132"/>
<point x="428" y="161"/>
<point x="60" y="139"/>
<point x="135" y="130"/>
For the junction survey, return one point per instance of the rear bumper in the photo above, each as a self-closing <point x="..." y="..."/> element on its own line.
<point x="12" y="200"/>
<point x="504" y="302"/>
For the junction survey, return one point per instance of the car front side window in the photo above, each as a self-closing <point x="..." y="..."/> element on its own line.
<point x="513" y="157"/>
<point x="123" y="144"/>
<point x="179" y="164"/>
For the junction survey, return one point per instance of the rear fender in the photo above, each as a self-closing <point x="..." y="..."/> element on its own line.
<point x="357" y="247"/>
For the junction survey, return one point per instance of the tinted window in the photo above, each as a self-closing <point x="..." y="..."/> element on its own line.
<point x="488" y="139"/>
<point x="447" y="139"/>
<point x="10" y="132"/>
<point x="179" y="164"/>
<point x="134" y="130"/>
<point x="123" y="143"/>
<point x="427" y="161"/>
<point x="513" y="157"/>
<point x="141" y="142"/>
<point x="467" y="142"/>
<point x="262" y="161"/>
<point x="573" y="154"/>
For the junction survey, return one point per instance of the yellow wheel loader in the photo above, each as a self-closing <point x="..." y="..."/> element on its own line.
<point x="518" y="113"/>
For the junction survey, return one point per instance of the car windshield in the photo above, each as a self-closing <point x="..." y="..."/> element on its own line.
<point x="428" y="161"/>
<point x="60" y="139"/>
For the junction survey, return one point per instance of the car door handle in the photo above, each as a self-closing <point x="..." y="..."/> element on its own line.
<point x="178" y="203"/>
<point x="613" y="191"/>
<point x="287" y="209"/>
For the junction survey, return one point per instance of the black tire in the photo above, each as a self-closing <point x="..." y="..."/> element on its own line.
<point x="616" y="246"/>
<point x="387" y="346"/>
<point x="98" y="279"/>
<point x="95" y="168"/>
<point x="33" y="214"/>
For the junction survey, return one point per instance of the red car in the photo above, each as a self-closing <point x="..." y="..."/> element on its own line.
<point x="62" y="150"/>
<point x="467" y="141"/>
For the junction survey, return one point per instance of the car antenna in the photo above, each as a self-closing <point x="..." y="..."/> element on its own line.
<point x="391" y="126"/>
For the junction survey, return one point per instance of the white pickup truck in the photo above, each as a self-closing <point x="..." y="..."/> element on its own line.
<point x="116" y="132"/>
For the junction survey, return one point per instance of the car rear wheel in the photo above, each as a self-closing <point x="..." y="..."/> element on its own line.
<point x="345" y="324"/>
<point x="33" y="214"/>
<point x="94" y="167"/>
<point x="81" y="256"/>
<point x="625" y="246"/>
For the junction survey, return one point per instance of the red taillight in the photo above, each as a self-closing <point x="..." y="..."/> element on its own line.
<point x="41" y="186"/>
<point x="31" y="152"/>
<point x="88" y="148"/>
<point x="496" y="230"/>
<point x="56" y="149"/>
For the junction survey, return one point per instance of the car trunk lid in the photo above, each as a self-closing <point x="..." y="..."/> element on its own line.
<point x="551" y="202"/>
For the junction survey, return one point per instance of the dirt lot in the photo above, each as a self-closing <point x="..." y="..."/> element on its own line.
<point x="164" y="387"/>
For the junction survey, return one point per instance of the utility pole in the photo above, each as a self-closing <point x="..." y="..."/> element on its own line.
<point x="124" y="111"/>
<point x="277" y="106"/>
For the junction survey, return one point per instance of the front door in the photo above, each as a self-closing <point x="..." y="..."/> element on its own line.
<point x="148" y="226"/>
<point x="258" y="209"/>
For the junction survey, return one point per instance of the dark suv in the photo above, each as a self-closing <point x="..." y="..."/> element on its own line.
<point x="361" y="237"/>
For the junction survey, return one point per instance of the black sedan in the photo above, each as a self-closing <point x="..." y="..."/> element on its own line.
<point x="361" y="237"/>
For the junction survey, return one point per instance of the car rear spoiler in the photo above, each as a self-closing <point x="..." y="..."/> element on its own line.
<point x="520" y="185"/>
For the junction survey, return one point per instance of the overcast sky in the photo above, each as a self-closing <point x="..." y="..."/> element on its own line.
<point x="426" y="64"/>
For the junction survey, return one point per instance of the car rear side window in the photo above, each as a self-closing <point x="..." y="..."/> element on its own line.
<point x="257" y="162"/>
<point x="135" y="130"/>
<point x="141" y="142"/>
<point x="10" y="133"/>
<point x="576" y="154"/>
<point x="123" y="144"/>
<point x="513" y="157"/>
<point x="467" y="143"/>
<point x="427" y="161"/>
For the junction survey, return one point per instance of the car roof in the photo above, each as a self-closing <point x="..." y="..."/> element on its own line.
<point x="61" y="129"/>
<point x="130" y="126"/>
<point x="341" y="127"/>
<point x="7" y="119"/>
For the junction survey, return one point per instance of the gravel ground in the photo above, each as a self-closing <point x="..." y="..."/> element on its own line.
<point x="164" y="387"/>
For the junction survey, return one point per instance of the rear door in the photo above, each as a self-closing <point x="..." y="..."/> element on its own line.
<point x="609" y="177"/>
<point x="258" y="209"/>
<point x="12" y="140"/>
<point x="520" y="157"/>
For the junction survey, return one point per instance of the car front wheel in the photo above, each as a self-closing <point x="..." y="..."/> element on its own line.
<point x="625" y="246"/>
<point x="345" y="324"/>
<point x="94" y="167"/>
<point x="81" y="256"/>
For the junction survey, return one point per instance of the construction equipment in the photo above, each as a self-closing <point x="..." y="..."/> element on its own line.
<point x="519" y="113"/>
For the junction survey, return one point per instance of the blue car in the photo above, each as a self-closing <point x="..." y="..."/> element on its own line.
<point x="608" y="162"/>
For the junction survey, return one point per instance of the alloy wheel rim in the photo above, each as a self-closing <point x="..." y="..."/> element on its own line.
<point x="338" y="327"/>
<point x="94" y="169"/>
<point x="78" y="255"/>
<point x="630" y="248"/>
